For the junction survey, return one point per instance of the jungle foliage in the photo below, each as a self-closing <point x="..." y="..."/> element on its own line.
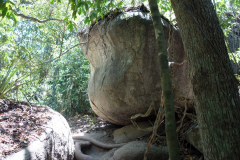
<point x="52" y="72"/>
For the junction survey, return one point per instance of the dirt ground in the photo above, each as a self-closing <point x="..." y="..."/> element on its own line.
<point x="20" y="124"/>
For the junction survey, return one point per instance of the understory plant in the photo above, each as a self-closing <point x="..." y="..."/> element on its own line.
<point x="7" y="84"/>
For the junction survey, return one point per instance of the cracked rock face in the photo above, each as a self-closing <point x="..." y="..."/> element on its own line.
<point x="125" y="76"/>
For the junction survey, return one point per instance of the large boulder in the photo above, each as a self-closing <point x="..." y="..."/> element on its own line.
<point x="125" y="76"/>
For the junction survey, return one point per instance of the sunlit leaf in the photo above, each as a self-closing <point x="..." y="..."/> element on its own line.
<point x="4" y="12"/>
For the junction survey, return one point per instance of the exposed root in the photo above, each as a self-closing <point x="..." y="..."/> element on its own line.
<point x="157" y="122"/>
<point x="78" y="153"/>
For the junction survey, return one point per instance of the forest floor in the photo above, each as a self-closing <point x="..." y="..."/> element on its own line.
<point x="22" y="123"/>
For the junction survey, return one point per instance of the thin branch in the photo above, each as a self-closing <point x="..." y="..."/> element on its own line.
<point x="51" y="11"/>
<point x="37" y="20"/>
<point x="59" y="55"/>
<point x="64" y="29"/>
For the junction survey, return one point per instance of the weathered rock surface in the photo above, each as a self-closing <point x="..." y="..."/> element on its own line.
<point x="55" y="143"/>
<point x="125" y="76"/>
<point x="130" y="132"/>
<point x="95" y="151"/>
<point x="194" y="138"/>
<point x="135" y="151"/>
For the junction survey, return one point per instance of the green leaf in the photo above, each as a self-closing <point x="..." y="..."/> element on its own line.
<point x="65" y="19"/>
<point x="98" y="3"/>
<point x="14" y="18"/>
<point x="80" y="4"/>
<point x="84" y="12"/>
<point x="5" y="83"/>
<point x="4" y="12"/>
<point x="9" y="13"/>
<point x="99" y="9"/>
<point x="79" y="11"/>
<point x="70" y="26"/>
<point x="93" y="15"/>
<point x="74" y="14"/>
<point x="87" y="20"/>
<point x="86" y="6"/>
<point x="11" y="2"/>
<point x="120" y="4"/>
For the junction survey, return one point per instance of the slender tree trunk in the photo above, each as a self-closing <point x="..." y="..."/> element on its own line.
<point x="170" y="126"/>
<point x="55" y="74"/>
<point x="214" y="86"/>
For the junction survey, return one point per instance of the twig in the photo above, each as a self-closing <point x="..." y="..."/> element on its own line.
<point x="37" y="20"/>
<point x="27" y="100"/>
<point x="63" y="32"/>
<point x="59" y="55"/>
<point x="157" y="123"/>
<point x="184" y="115"/>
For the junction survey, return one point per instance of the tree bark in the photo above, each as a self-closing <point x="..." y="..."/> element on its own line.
<point x="214" y="86"/>
<point x="170" y="126"/>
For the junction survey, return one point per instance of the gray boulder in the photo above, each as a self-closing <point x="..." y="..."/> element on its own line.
<point x="125" y="76"/>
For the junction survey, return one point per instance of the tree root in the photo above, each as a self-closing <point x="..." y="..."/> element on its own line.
<point x="78" y="153"/>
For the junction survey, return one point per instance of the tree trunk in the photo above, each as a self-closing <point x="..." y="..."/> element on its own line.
<point x="54" y="93"/>
<point x="214" y="86"/>
<point x="170" y="126"/>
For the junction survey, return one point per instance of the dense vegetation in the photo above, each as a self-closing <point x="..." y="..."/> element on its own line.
<point x="55" y="74"/>
<point x="40" y="59"/>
